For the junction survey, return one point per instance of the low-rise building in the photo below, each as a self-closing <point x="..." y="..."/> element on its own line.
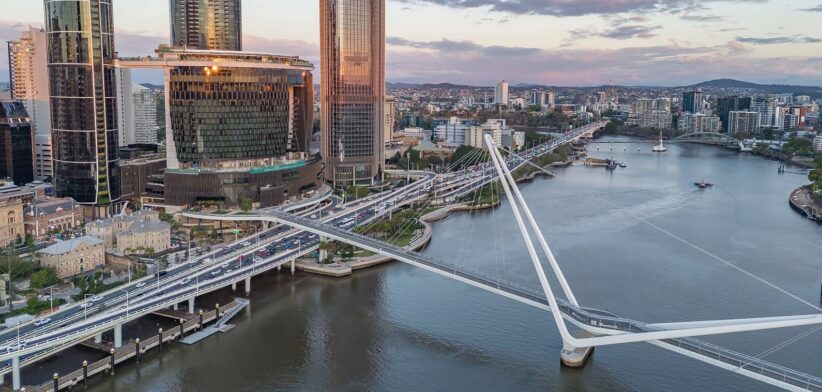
<point x="817" y="143"/>
<point x="45" y="215"/>
<point x="144" y="237"/>
<point x="652" y="119"/>
<point x="74" y="257"/>
<point x="12" y="201"/>
<point x="107" y="229"/>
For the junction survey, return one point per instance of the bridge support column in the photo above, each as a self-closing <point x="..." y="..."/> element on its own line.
<point x="15" y="373"/>
<point x="292" y="266"/>
<point x="176" y="307"/>
<point x="234" y="286"/>
<point x="118" y="336"/>
<point x="98" y="338"/>
<point x="247" y="286"/>
<point x="191" y="305"/>
<point x="574" y="357"/>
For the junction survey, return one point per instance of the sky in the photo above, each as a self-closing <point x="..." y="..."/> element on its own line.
<point x="552" y="42"/>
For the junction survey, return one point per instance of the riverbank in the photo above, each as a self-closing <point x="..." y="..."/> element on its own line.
<point x="346" y="268"/>
<point x="802" y="202"/>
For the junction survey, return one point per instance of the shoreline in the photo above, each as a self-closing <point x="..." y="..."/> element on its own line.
<point x="811" y="209"/>
<point x="339" y="270"/>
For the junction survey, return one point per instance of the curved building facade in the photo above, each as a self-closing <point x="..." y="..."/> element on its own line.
<point x="83" y="101"/>
<point x="352" y="97"/>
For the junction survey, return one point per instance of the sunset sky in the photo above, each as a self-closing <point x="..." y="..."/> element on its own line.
<point x="555" y="42"/>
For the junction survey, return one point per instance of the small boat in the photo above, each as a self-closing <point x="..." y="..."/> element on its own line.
<point x="612" y="164"/>
<point x="703" y="185"/>
<point x="661" y="146"/>
<point x="622" y="165"/>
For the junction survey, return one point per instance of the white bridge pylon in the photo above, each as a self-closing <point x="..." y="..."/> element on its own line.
<point x="667" y="331"/>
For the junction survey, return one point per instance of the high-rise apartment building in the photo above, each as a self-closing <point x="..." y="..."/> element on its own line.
<point x="28" y="76"/>
<point x="766" y="107"/>
<point x="83" y="102"/>
<point x="390" y="118"/>
<point x="742" y="122"/>
<point x="698" y="122"/>
<point x="550" y="98"/>
<point x="207" y="24"/>
<point x="725" y="106"/>
<point x="352" y="97"/>
<point x="692" y="101"/>
<point x="144" y="103"/>
<point x="16" y="143"/>
<point x="501" y="93"/>
<point x="42" y="158"/>
<point x="538" y="98"/>
<point x="136" y="112"/>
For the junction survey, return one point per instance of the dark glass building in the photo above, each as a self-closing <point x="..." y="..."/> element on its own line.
<point x="16" y="143"/>
<point x="724" y="107"/>
<point x="692" y="101"/>
<point x="240" y="126"/>
<point x="352" y="97"/>
<point x="206" y="24"/>
<point x="83" y="102"/>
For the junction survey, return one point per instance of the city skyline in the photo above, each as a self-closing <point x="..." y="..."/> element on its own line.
<point x="667" y="43"/>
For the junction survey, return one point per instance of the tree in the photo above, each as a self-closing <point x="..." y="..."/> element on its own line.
<point x="246" y="204"/>
<point x="44" y="278"/>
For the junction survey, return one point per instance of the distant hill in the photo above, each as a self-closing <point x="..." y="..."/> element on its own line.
<point x="767" y="88"/>
<point x="445" y="86"/>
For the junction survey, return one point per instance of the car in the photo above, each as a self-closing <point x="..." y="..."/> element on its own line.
<point x="40" y="323"/>
<point x="141" y="284"/>
<point x="224" y="265"/>
<point x="185" y="281"/>
<point x="207" y="261"/>
<point x="96" y="298"/>
<point x="216" y="272"/>
<point x="14" y="347"/>
<point x="246" y="243"/>
<point x="86" y="305"/>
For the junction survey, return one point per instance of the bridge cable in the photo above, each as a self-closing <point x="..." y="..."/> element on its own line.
<point x="698" y="248"/>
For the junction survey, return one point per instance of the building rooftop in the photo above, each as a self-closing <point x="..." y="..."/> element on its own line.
<point x="146" y="227"/>
<point x="138" y="215"/>
<point x="63" y="247"/>
<point x="50" y="206"/>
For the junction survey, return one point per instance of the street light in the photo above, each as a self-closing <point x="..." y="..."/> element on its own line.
<point x="127" y="301"/>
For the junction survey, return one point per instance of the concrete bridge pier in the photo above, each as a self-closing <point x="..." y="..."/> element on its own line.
<point x="98" y="338"/>
<point x="15" y="373"/>
<point x="118" y="336"/>
<point x="234" y="286"/>
<point x="292" y="266"/>
<point x="575" y="357"/>
<point x="191" y="305"/>
<point x="247" y="286"/>
<point x="176" y="306"/>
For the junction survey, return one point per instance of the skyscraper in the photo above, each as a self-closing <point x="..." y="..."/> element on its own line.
<point x="28" y="74"/>
<point x="207" y="24"/>
<point x="692" y="101"/>
<point x="16" y="143"/>
<point x="501" y="93"/>
<point x="352" y="97"/>
<point x="83" y="102"/>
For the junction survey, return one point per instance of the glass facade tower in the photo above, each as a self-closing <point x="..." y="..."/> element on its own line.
<point x="83" y="101"/>
<point x="352" y="98"/>
<point x="206" y="24"/>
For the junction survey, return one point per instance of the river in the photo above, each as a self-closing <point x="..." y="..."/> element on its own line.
<point x="641" y="242"/>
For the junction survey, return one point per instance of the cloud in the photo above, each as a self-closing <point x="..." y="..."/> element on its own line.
<point x="571" y="7"/>
<point x="794" y="39"/>
<point x="702" y="18"/>
<point x="818" y="8"/>
<point x="430" y="61"/>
